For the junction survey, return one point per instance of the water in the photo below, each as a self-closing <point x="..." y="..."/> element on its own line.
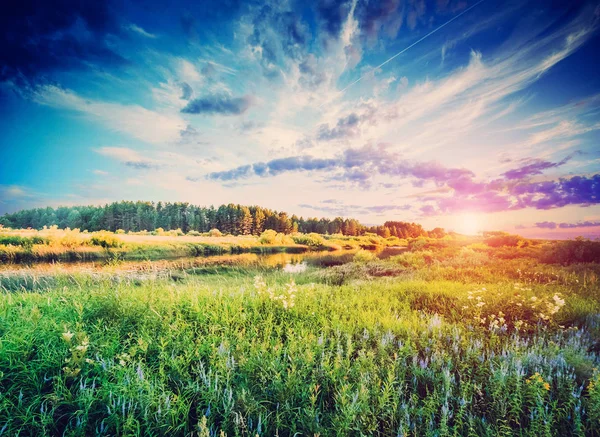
<point x="288" y="262"/>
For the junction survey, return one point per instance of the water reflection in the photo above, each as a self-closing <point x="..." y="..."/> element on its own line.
<point x="287" y="262"/>
<point x="295" y="268"/>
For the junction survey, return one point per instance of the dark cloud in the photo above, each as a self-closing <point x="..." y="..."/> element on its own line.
<point x="279" y="34"/>
<point x="186" y="91"/>
<point x="209" y="69"/>
<point x="546" y="225"/>
<point x="142" y="165"/>
<point x="311" y="75"/>
<point x="332" y="15"/>
<point x="577" y="190"/>
<point x="459" y="189"/>
<point x="188" y="25"/>
<point x="387" y="208"/>
<point x="218" y="104"/>
<point x="346" y="127"/>
<point x="40" y="37"/>
<point x="376" y="16"/>
<point x="190" y="133"/>
<point x="587" y="224"/>
<point x="274" y="167"/>
<point x="534" y="167"/>
<point x="336" y="207"/>
<point x="251" y="125"/>
<point x="554" y="225"/>
<point x="356" y="165"/>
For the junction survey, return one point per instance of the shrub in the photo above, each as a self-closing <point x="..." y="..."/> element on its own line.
<point x="498" y="239"/>
<point x="119" y="231"/>
<point x="414" y="259"/>
<point x="364" y="256"/>
<point x="271" y="237"/>
<point x="15" y="240"/>
<point x="580" y="250"/>
<point x="312" y="239"/>
<point x="194" y="234"/>
<point x="215" y="233"/>
<point x="105" y="240"/>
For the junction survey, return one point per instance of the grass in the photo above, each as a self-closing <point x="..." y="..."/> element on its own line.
<point x="49" y="245"/>
<point x="415" y="344"/>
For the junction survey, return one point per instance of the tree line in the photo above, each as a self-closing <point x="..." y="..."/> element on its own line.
<point x="229" y="219"/>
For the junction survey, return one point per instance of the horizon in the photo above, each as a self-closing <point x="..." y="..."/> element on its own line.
<point x="466" y="115"/>
<point x="540" y="230"/>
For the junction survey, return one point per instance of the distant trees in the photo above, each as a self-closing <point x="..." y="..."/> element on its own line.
<point x="405" y="229"/>
<point x="227" y="219"/>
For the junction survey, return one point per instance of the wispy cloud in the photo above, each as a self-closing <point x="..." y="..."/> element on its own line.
<point x="137" y="121"/>
<point x="219" y="104"/>
<point x="138" y="30"/>
<point x="129" y="157"/>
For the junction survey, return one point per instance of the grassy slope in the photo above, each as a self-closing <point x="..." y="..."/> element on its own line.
<point x="395" y="347"/>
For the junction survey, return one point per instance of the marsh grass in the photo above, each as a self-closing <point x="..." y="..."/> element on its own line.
<point x="412" y="345"/>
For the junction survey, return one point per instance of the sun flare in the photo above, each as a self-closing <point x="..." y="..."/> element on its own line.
<point x="468" y="224"/>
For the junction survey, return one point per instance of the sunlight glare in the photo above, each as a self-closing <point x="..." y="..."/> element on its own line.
<point x="467" y="224"/>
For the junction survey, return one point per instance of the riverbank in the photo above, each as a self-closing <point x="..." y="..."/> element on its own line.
<point x="54" y="245"/>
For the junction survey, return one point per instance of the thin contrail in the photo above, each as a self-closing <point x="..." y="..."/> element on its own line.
<point x="413" y="44"/>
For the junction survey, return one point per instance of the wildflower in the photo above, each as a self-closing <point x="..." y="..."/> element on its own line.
<point x="67" y="336"/>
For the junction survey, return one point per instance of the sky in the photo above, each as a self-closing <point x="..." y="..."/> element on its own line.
<point x="469" y="115"/>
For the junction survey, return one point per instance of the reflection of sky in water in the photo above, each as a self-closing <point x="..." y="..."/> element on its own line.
<point x="287" y="262"/>
<point x="295" y="268"/>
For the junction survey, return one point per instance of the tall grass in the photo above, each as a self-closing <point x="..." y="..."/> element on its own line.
<point x="416" y="344"/>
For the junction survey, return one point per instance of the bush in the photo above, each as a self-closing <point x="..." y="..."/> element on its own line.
<point x="15" y="240"/>
<point x="105" y="240"/>
<point x="580" y="250"/>
<point x="119" y="231"/>
<point x="194" y="234"/>
<point x="498" y="239"/>
<point x="414" y="259"/>
<point x="215" y="233"/>
<point x="312" y="239"/>
<point x="271" y="237"/>
<point x="363" y="256"/>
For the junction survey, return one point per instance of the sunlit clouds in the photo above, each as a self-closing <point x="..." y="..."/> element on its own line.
<point x="466" y="115"/>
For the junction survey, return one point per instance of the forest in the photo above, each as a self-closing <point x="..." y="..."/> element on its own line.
<point x="229" y="219"/>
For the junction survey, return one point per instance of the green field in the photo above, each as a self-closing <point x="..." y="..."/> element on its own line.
<point x="445" y="340"/>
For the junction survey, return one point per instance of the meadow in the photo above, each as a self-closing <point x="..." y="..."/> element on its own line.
<point x="453" y="337"/>
<point x="53" y="244"/>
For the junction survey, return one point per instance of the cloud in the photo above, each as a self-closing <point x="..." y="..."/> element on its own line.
<point x="219" y="104"/>
<point x="42" y="37"/>
<point x="554" y="225"/>
<point x="135" y="120"/>
<point x="186" y="91"/>
<point x="346" y="127"/>
<point x="11" y="192"/>
<point x="546" y="225"/>
<point x="128" y="157"/>
<point x="276" y="35"/>
<point x="534" y="167"/>
<point x="137" y="29"/>
<point x="357" y="165"/>
<point x="341" y="208"/>
<point x="332" y="15"/>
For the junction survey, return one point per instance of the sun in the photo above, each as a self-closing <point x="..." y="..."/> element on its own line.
<point x="467" y="224"/>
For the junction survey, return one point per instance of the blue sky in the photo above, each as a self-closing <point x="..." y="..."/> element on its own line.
<point x="484" y="115"/>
